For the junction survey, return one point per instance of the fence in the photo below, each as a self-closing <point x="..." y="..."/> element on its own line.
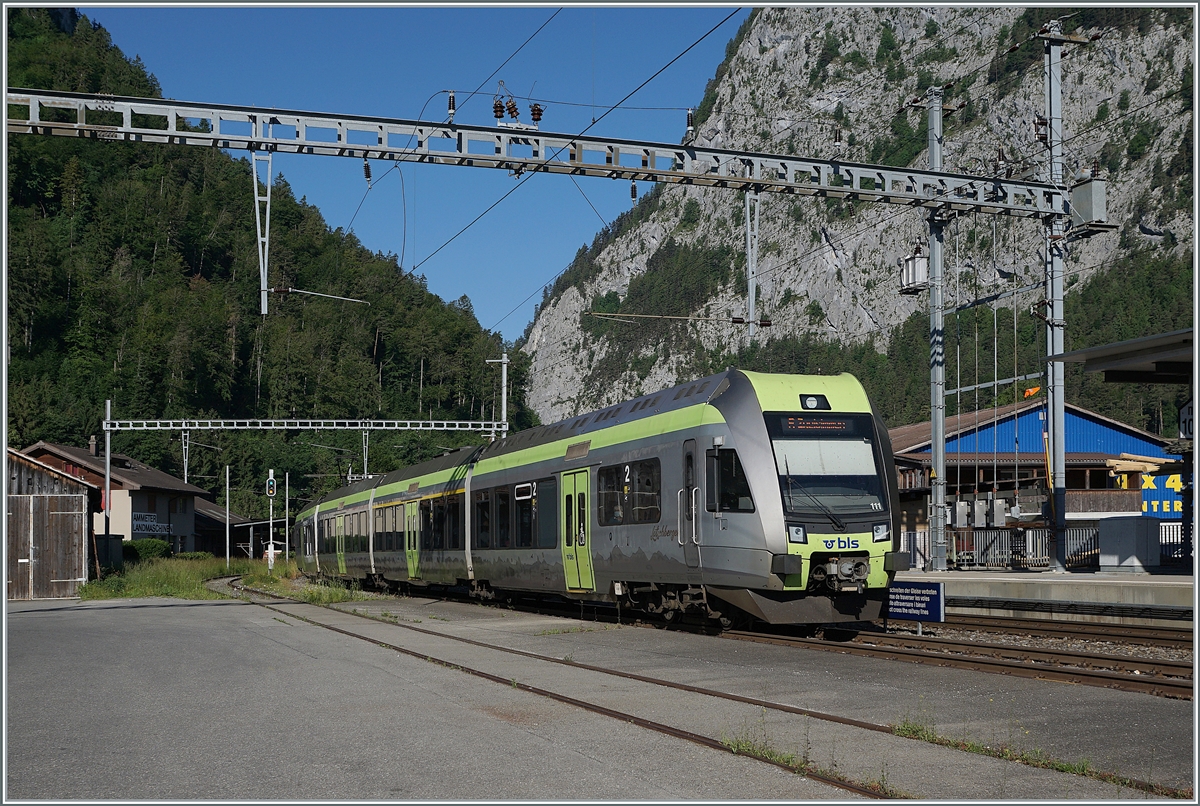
<point x="983" y="549"/>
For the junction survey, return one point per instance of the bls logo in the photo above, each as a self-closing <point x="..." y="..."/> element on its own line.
<point x="841" y="543"/>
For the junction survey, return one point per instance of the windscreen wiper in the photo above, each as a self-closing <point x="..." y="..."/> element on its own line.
<point x="837" y="522"/>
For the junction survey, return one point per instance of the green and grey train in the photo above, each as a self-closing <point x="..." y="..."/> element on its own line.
<point x="772" y="496"/>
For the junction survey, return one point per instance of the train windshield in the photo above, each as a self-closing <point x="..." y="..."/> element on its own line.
<point x="827" y="463"/>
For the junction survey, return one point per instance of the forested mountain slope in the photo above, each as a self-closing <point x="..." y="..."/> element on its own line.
<point x="827" y="82"/>
<point x="133" y="275"/>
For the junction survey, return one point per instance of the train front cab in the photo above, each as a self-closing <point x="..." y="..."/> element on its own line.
<point x="818" y="464"/>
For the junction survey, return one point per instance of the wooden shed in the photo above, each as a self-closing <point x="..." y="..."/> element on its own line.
<point x="48" y="529"/>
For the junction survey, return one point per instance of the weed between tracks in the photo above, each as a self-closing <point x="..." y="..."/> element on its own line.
<point x="1033" y="758"/>
<point x="760" y="746"/>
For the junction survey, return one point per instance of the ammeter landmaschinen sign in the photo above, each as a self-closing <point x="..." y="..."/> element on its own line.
<point x="917" y="601"/>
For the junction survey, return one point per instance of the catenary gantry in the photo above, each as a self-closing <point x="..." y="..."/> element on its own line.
<point x="152" y="120"/>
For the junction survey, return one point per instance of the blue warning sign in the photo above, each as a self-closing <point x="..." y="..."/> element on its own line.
<point x="917" y="601"/>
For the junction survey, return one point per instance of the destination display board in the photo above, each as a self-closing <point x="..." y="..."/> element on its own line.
<point x="917" y="601"/>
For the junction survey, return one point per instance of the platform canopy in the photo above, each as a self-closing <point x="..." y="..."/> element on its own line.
<point x="1165" y="358"/>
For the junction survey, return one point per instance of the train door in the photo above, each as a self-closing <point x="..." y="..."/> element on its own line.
<point x="689" y="506"/>
<point x="341" y="544"/>
<point x="577" y="540"/>
<point x="411" y="535"/>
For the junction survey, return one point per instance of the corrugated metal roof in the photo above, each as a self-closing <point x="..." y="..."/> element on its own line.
<point x="991" y="430"/>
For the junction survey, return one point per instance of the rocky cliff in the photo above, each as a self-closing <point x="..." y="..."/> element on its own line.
<point x="827" y="82"/>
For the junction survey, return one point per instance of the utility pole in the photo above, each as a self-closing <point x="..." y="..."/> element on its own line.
<point x="503" y="362"/>
<point x="108" y="467"/>
<point x="753" y="202"/>
<point x="185" y="456"/>
<point x="937" y="349"/>
<point x="1052" y="39"/>
<point x="226" y="517"/>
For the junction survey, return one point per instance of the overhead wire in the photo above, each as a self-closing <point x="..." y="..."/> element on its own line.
<point x="534" y="171"/>
<point x="492" y="75"/>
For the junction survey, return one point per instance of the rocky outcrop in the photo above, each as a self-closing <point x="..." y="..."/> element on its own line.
<point x="827" y="82"/>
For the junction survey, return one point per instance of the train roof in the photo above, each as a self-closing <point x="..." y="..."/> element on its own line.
<point x="666" y="400"/>
<point x="774" y="392"/>
<point x="455" y="458"/>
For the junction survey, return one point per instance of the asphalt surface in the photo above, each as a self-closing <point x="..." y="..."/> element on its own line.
<point x="165" y="699"/>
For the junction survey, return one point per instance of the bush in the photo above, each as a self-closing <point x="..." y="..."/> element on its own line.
<point x="141" y="550"/>
<point x="194" y="555"/>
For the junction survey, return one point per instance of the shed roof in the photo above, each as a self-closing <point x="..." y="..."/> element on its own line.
<point x="17" y="459"/>
<point x="216" y="512"/>
<point x="1163" y="358"/>
<point x="918" y="436"/>
<point x="129" y="473"/>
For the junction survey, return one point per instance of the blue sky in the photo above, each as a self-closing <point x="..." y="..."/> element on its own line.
<point x="389" y="61"/>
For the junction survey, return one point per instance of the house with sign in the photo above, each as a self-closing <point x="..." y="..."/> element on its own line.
<point x="146" y="502"/>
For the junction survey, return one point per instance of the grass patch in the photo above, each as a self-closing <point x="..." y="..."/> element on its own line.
<point x="760" y="749"/>
<point x="1034" y="758"/>
<point x="758" y="744"/>
<point x="167" y="576"/>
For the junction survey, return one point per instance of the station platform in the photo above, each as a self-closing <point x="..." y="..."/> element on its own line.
<point x="1164" y="599"/>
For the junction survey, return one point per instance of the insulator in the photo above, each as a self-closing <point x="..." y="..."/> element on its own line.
<point x="1096" y="167"/>
<point x="498" y="108"/>
<point x="450" y="106"/>
<point x="513" y="111"/>
<point x="691" y="121"/>
<point x="535" y="112"/>
<point x="837" y="135"/>
<point x="738" y="320"/>
<point x="632" y="190"/>
<point x="764" y="322"/>
<point x="367" y="170"/>
<point x="1013" y="49"/>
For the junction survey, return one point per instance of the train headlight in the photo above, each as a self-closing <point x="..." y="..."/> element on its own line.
<point x="796" y="534"/>
<point x="880" y="532"/>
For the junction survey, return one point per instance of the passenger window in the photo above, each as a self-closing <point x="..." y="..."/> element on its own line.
<point x="525" y="523"/>
<point x="629" y="493"/>
<point x="483" y="520"/>
<point x="647" y="491"/>
<point x="546" y="507"/>
<point x="454" y="517"/>
<point x="610" y="507"/>
<point x="728" y="488"/>
<point x="569" y="531"/>
<point x="503" y="519"/>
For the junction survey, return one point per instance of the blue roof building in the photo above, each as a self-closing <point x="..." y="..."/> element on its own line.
<point x="1003" y="451"/>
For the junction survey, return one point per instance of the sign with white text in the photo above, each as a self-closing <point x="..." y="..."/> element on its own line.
<point x="146" y="523"/>
<point x="917" y="601"/>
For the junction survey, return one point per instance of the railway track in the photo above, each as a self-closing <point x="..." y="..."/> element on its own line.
<point x="870" y="791"/>
<point x="696" y="738"/>
<point x="1126" y="633"/>
<point x="1158" y="677"/>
